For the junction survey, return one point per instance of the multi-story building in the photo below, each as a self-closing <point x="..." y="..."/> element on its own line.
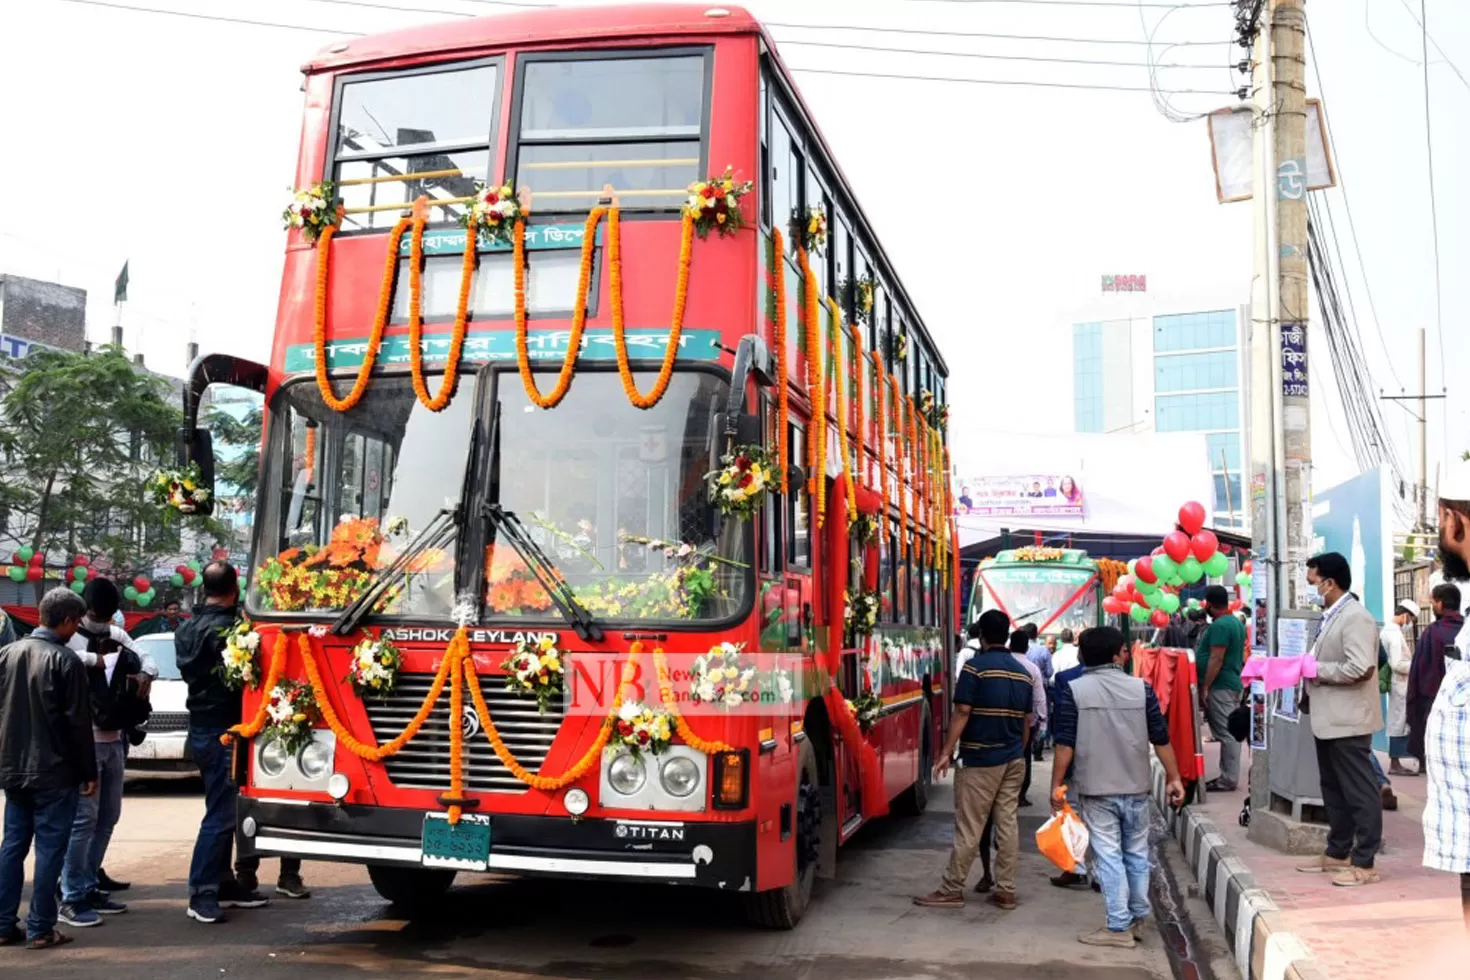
<point x="1171" y="372"/>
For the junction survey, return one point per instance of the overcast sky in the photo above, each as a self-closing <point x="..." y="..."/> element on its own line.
<point x="171" y="142"/>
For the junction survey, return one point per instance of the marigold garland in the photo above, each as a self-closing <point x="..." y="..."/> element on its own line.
<point x="666" y="694"/>
<point x="676" y="326"/>
<point x="380" y="317"/>
<point x="579" y="312"/>
<point x="916" y="468"/>
<point x="436" y="403"/>
<point x="252" y="728"/>
<point x="882" y="434"/>
<point x="816" y="389"/>
<point x="859" y="368"/>
<point x="900" y="464"/>
<point x="783" y="393"/>
<point x="834" y="332"/>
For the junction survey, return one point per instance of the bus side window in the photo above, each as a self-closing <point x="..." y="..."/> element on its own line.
<point x="772" y="553"/>
<point x="887" y="581"/>
<point x="798" y="552"/>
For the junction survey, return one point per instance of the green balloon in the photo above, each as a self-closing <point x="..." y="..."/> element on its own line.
<point x="1164" y="567"/>
<point x="176" y="580"/>
<point x="26" y="552"/>
<point x="1154" y="599"/>
<point x="78" y="587"/>
<point x="1139" y="614"/>
<point x="145" y="599"/>
<point x="130" y="593"/>
<point x="1191" y="570"/>
<point x="17" y="573"/>
<point x="195" y="565"/>
<point x="1148" y="588"/>
<point x="1217" y="565"/>
<point x="1193" y="603"/>
<point x="1170" y="603"/>
<point x="79" y="574"/>
<point x="1243" y="578"/>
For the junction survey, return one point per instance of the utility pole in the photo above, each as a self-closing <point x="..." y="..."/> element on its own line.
<point x="1421" y="492"/>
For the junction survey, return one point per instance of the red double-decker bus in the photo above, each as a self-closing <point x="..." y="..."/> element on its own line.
<point x="510" y="437"/>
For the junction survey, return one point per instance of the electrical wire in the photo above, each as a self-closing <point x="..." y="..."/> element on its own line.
<point x="413" y="10"/>
<point x="1433" y="206"/>
<point x="1453" y="67"/>
<point x="998" y="81"/>
<point x="1159" y="94"/>
<point x="1083" y="3"/>
<point x="989" y="34"/>
<point x="214" y="17"/>
<point x="977" y="54"/>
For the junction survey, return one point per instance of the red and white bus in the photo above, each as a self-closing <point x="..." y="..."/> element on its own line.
<point x="477" y="444"/>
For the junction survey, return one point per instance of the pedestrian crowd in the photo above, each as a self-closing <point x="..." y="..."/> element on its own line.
<point x="74" y="697"/>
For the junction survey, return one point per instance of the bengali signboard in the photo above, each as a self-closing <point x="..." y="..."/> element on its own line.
<point x="1050" y="495"/>
<point x="1294" y="360"/>
<point x="450" y="241"/>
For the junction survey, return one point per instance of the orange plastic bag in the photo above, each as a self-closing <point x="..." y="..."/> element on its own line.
<point x="1063" y="838"/>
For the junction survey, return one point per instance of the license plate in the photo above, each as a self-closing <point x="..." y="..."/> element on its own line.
<point x="464" y="846"/>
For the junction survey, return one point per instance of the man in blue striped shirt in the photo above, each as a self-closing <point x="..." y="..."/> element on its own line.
<point x="990" y="728"/>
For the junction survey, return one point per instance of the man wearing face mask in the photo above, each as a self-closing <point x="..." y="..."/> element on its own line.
<point x="1344" y="708"/>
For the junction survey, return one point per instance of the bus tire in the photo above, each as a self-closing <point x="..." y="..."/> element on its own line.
<point x="913" y="801"/>
<point x="410" y="889"/>
<point x="782" y="908"/>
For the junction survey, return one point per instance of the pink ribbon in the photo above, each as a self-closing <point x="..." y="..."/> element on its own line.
<point x="1280" y="673"/>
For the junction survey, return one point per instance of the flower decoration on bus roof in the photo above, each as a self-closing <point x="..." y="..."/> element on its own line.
<point x="639" y="728"/>
<point x="859" y="294"/>
<point x="179" y="488"/>
<point x="536" y="668"/>
<point x="494" y="211"/>
<point x="741" y="482"/>
<point x="373" y="671"/>
<point x="811" y="227"/>
<point x="292" y="711"/>
<point x="1037" y="553"/>
<point x="313" y="210"/>
<point x="714" y="204"/>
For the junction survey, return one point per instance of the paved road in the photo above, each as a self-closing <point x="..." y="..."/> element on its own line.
<point x="862" y="925"/>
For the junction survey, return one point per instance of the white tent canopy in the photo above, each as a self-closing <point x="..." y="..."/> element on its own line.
<point x="1129" y="484"/>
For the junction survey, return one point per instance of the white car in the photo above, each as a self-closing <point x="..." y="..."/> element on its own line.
<point x="165" y="746"/>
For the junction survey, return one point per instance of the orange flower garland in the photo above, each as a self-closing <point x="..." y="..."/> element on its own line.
<point x="834" y="331"/>
<point x="816" y="390"/>
<point x="900" y="464"/>
<point x="437" y="402"/>
<point x="666" y="694"/>
<point x="310" y="453"/>
<point x="916" y="469"/>
<point x="859" y="368"/>
<point x="579" y="312"/>
<point x="882" y="444"/>
<point x="783" y="393"/>
<point x="676" y="326"/>
<point x="251" y="728"/>
<point x="457" y="653"/>
<point x="380" y="318"/>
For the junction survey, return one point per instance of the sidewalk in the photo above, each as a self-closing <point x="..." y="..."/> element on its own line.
<point x="1407" y="926"/>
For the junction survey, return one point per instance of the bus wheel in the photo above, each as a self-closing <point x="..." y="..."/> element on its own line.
<point x="782" y="908"/>
<point x="915" y="799"/>
<point x="410" y="889"/>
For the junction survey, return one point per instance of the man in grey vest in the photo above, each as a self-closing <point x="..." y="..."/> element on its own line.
<point x="1103" y="724"/>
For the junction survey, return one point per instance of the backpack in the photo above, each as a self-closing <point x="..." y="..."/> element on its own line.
<point x="116" y="704"/>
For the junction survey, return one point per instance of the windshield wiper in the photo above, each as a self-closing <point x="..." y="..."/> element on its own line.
<point x="438" y="532"/>
<point x="1035" y="612"/>
<point x="562" y="596"/>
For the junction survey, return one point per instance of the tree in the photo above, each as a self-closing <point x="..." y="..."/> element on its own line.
<point x="236" y="450"/>
<point x="81" y="434"/>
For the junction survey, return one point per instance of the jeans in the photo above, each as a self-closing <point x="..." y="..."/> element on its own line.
<point x="1378" y="773"/>
<point x="1220" y="704"/>
<point x="45" y="815"/>
<point x="91" y="831"/>
<point x="1118" y="827"/>
<point x="211" y="861"/>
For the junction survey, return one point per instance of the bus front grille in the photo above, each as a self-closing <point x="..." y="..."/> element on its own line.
<point x="423" y="763"/>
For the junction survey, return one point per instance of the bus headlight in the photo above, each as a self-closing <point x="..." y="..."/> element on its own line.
<point x="272" y="758"/>
<point x="680" y="776"/>
<point x="315" y="760"/>
<point x="576" y="801"/>
<point x="626" y="775"/>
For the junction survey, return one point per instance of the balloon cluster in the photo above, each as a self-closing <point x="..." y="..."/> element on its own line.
<point x="27" y="564"/>
<point x="80" y="573"/>
<point x="186" y="574"/>
<point x="1150" y="593"/>
<point x="141" y="591"/>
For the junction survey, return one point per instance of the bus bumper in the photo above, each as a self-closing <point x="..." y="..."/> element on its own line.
<point x="713" y="855"/>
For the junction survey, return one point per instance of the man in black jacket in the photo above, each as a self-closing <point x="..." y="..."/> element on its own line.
<point x="47" y="762"/>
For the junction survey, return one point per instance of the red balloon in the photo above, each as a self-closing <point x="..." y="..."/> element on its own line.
<point x="181" y="569"/>
<point x="141" y="583"/>
<point x="1204" y="545"/>
<point x="16" y="559"/>
<point x="1236" y="605"/>
<point x="1192" y="518"/>
<point x="81" y="560"/>
<point x="1225" y="549"/>
<point x="91" y="573"/>
<point x="188" y="574"/>
<point x="1248" y="566"/>
<point x="1159" y="618"/>
<point x="35" y="573"/>
<point x="37" y="560"/>
<point x="1176" y="546"/>
<point x="1110" y="605"/>
<point x="1144" y="570"/>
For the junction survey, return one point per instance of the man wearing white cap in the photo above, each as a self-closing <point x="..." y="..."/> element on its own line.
<point x="1447" y="739"/>
<point x="1399" y="642"/>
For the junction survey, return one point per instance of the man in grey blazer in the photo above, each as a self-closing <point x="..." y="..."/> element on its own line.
<point x="1345" y="711"/>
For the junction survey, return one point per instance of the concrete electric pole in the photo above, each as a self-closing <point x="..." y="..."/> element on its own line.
<point x="1421" y="493"/>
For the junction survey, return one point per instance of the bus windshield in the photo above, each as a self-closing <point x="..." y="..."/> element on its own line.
<point x="617" y="497"/>
<point x="1046" y="595"/>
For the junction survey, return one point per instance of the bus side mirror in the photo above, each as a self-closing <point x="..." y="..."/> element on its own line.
<point x="197" y="446"/>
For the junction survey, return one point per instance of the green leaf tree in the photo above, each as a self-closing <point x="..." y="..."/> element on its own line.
<point x="81" y="434"/>
<point x="236" y="450"/>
